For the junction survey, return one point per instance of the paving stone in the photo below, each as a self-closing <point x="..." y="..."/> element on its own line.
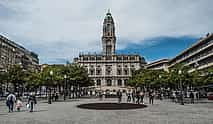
<point x="162" y="112"/>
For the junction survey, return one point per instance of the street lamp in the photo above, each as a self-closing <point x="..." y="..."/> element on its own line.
<point x="181" y="88"/>
<point x="50" y="99"/>
<point x="65" y="86"/>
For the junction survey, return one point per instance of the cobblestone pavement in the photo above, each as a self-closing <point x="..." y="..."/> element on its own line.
<point x="162" y="112"/>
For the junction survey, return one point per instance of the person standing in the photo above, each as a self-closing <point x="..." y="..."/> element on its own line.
<point x="32" y="101"/>
<point x="11" y="99"/>
<point x="119" y="95"/>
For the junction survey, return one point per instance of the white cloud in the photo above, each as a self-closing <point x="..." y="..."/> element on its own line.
<point x="62" y="28"/>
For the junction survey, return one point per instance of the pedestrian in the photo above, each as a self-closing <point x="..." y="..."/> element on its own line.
<point x="19" y="104"/>
<point x="11" y="99"/>
<point x="128" y="96"/>
<point x="119" y="95"/>
<point x="197" y="95"/>
<point x="177" y="96"/>
<point x="133" y="96"/>
<point x="173" y="96"/>
<point x="192" y="97"/>
<point x="32" y="101"/>
<point x="138" y="97"/>
<point x="151" y="97"/>
<point x="141" y="97"/>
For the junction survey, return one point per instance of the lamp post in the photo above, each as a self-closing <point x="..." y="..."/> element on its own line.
<point x="160" y="79"/>
<point x="50" y="97"/>
<point x="65" y="86"/>
<point x="181" y="88"/>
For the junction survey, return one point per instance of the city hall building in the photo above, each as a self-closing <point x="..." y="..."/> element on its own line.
<point x="110" y="71"/>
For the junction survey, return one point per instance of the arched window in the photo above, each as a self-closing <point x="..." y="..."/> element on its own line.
<point x="119" y="82"/>
<point x="125" y="82"/>
<point x="109" y="82"/>
<point x="98" y="82"/>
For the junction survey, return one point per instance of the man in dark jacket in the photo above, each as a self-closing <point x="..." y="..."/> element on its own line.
<point x="11" y="99"/>
<point x="119" y="95"/>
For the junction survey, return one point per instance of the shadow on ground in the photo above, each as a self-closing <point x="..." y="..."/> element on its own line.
<point x="111" y="106"/>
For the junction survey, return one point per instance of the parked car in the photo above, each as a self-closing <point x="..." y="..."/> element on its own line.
<point x="210" y="95"/>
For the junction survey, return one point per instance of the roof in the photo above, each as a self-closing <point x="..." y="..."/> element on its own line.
<point x="159" y="62"/>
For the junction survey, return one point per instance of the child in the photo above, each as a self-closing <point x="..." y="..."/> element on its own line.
<point x="19" y="104"/>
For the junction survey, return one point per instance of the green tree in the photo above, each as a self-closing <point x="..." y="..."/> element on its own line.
<point x="208" y="76"/>
<point x="16" y="77"/>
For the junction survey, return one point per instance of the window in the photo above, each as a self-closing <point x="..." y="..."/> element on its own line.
<point x="119" y="82"/>
<point x="108" y="49"/>
<point x="85" y="58"/>
<point x="109" y="82"/>
<point x="125" y="57"/>
<point x="108" y="57"/>
<point x="125" y="82"/>
<point x="108" y="70"/>
<point x="98" y="82"/>
<point x="119" y="58"/>
<point x="119" y="72"/>
<point x="98" y="58"/>
<point x="125" y="72"/>
<point x="91" y="72"/>
<point x="132" y="58"/>
<point x="132" y="70"/>
<point x="92" y="58"/>
<point x="98" y="72"/>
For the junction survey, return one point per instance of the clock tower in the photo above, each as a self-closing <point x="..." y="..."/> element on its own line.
<point x="108" y="37"/>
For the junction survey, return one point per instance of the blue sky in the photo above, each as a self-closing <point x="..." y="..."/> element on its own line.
<point x="59" y="30"/>
<point x="160" y="47"/>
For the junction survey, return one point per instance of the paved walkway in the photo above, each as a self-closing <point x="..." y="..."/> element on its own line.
<point x="162" y="112"/>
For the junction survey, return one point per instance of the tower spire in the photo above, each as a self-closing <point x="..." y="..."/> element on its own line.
<point x="108" y="10"/>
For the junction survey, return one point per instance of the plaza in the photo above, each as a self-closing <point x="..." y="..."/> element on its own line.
<point x="162" y="112"/>
<point x="74" y="62"/>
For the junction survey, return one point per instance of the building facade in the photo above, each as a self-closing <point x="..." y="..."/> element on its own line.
<point x="110" y="71"/>
<point x="158" y="65"/>
<point x="198" y="56"/>
<point x="12" y="53"/>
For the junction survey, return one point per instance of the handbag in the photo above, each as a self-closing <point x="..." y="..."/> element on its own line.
<point x="28" y="105"/>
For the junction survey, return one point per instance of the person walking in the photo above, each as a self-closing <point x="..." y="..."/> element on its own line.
<point x="198" y="95"/>
<point x="128" y="96"/>
<point x="141" y="97"/>
<point x="133" y="96"/>
<point x="119" y="95"/>
<point x="11" y="99"/>
<point x="151" y="97"/>
<point x="32" y="101"/>
<point x="138" y="97"/>
<point x="192" y="97"/>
